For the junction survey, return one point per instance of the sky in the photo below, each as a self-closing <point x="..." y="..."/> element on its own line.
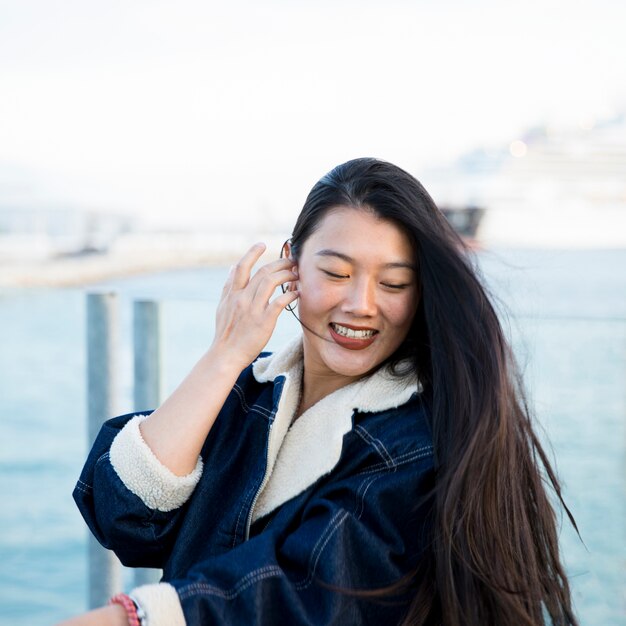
<point x="224" y="114"/>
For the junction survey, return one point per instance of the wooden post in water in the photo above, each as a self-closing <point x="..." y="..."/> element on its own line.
<point x="104" y="569"/>
<point x="148" y="380"/>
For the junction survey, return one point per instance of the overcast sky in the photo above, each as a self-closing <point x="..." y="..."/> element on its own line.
<point x="196" y="111"/>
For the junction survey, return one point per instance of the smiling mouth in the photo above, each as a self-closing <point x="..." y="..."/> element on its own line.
<point x="353" y="333"/>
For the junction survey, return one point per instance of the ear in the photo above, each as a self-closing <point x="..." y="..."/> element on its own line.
<point x="287" y="254"/>
<point x="286" y="250"/>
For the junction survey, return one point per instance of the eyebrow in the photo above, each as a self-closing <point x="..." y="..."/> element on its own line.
<point x="345" y="257"/>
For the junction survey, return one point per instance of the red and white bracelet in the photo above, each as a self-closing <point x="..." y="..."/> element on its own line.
<point x="136" y="616"/>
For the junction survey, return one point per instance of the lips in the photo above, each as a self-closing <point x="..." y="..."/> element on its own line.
<point x="352" y="337"/>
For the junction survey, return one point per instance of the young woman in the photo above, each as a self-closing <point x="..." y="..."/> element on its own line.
<point x="380" y="469"/>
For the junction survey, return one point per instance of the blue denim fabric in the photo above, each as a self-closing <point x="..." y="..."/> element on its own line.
<point x="363" y="525"/>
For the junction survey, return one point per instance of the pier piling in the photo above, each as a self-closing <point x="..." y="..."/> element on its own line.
<point x="148" y="372"/>
<point x="104" y="568"/>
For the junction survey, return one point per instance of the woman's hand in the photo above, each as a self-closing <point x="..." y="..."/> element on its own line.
<point x="245" y="321"/>
<point x="245" y="316"/>
<point x="112" y="615"/>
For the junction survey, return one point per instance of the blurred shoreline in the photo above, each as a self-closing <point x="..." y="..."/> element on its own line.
<point x="172" y="254"/>
<point x="131" y="255"/>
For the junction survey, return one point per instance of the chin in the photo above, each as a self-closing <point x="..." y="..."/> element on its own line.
<point x="352" y="363"/>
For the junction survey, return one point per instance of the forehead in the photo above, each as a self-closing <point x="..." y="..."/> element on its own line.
<point x="357" y="233"/>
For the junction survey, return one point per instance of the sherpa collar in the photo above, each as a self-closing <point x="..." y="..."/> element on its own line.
<point x="300" y="452"/>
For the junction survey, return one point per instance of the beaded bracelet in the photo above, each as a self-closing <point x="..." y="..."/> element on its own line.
<point x="129" y="606"/>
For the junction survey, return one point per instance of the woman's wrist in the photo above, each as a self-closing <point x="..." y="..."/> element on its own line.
<point x="110" y="615"/>
<point x="134" y="615"/>
<point x="223" y="360"/>
<point x="115" y="615"/>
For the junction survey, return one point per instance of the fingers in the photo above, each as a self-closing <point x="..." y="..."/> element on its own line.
<point x="268" y="271"/>
<point x="239" y="277"/>
<point x="241" y="273"/>
<point x="229" y="281"/>
<point x="267" y="283"/>
<point x="257" y="290"/>
<point x="280" y="302"/>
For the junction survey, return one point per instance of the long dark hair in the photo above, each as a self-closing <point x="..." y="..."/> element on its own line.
<point x="494" y="555"/>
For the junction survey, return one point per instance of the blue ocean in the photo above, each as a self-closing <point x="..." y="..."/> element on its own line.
<point x="565" y="312"/>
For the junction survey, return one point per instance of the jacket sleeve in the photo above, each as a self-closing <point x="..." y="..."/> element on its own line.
<point x="364" y="531"/>
<point x="130" y="501"/>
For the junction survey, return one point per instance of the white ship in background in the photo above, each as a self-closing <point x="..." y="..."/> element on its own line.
<point x="553" y="188"/>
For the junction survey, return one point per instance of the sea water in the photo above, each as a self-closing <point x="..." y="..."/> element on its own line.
<point x="564" y="311"/>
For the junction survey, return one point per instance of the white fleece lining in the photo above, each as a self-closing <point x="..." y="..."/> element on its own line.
<point x="161" y="604"/>
<point x="143" y="474"/>
<point x="312" y="446"/>
<point x="310" y="449"/>
<point x="287" y="405"/>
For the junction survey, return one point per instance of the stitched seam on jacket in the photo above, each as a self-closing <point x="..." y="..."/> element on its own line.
<point x="85" y="485"/>
<point x="249" y="579"/>
<point x="402" y="459"/>
<point x="259" y="409"/>
<point x="377" y="443"/>
<point x="335" y="522"/>
<point x="102" y="457"/>
<point x="252" y="490"/>
<point x="367" y="484"/>
<point x="262" y="409"/>
<point x="81" y="488"/>
<point x="242" y="399"/>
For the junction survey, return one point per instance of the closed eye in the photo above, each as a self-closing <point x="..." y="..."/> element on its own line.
<point x="403" y="286"/>
<point x="331" y="274"/>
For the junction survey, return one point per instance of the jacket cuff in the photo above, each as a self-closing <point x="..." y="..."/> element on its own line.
<point x="144" y="475"/>
<point x="160" y="603"/>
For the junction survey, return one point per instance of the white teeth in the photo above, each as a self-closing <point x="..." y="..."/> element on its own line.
<point x="353" y="334"/>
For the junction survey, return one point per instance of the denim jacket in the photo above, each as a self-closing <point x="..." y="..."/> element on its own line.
<point x="277" y="513"/>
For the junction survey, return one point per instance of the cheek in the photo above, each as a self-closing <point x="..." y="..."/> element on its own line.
<point x="315" y="296"/>
<point x="400" y="312"/>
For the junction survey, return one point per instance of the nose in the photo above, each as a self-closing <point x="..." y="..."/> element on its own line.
<point x="360" y="299"/>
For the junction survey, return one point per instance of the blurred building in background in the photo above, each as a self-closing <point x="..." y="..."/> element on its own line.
<point x="40" y="233"/>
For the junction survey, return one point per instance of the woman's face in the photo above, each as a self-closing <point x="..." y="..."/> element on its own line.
<point x="358" y="292"/>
